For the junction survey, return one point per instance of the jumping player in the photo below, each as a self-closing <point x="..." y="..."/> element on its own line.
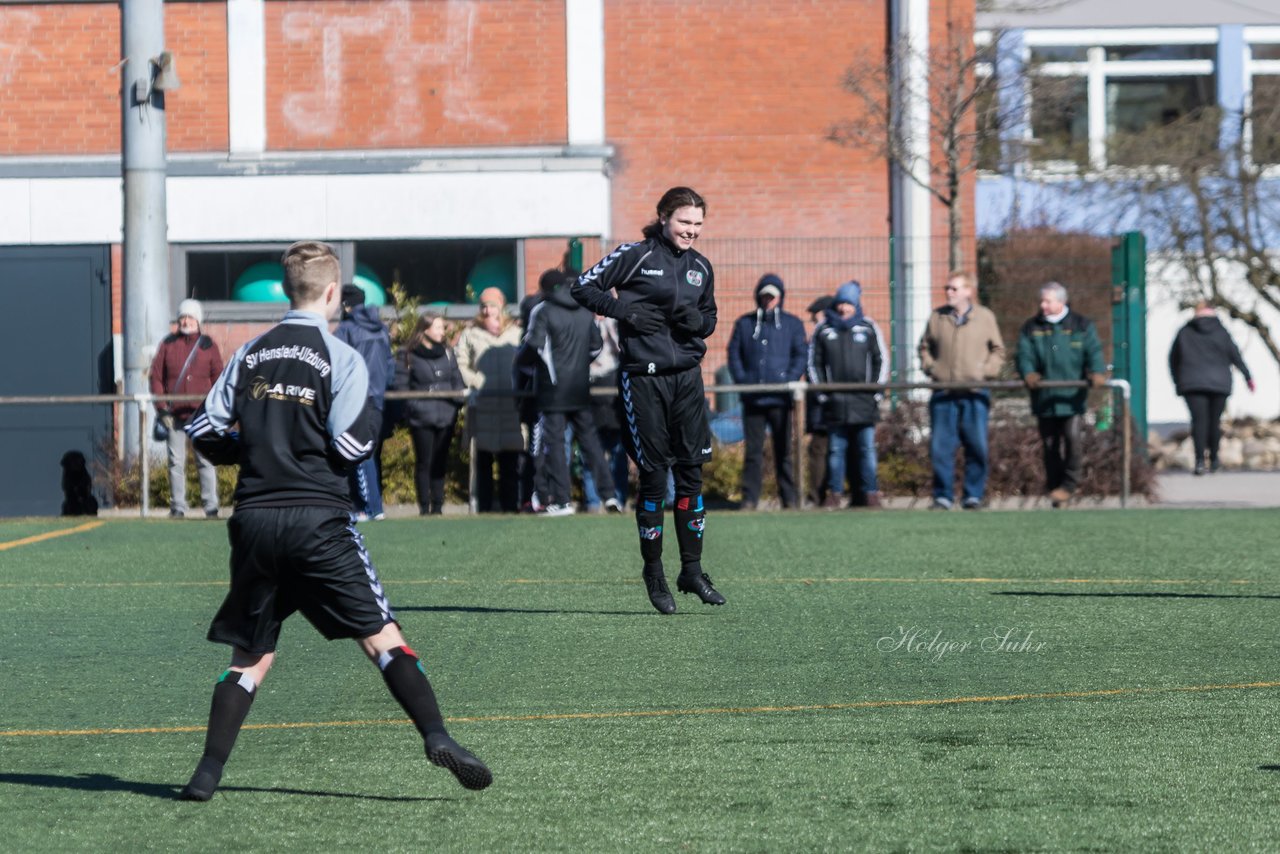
<point x="299" y="395"/>
<point x="665" y="308"/>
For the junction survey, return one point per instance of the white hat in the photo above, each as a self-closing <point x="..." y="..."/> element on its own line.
<point x="191" y="308"/>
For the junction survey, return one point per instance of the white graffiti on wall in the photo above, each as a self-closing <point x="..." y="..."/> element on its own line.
<point x="399" y="113"/>
<point x="17" y="29"/>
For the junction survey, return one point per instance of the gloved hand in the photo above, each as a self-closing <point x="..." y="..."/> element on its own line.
<point x="1097" y="380"/>
<point x="642" y="319"/>
<point x="1033" y="380"/>
<point x="687" y="318"/>
<point x="1253" y="386"/>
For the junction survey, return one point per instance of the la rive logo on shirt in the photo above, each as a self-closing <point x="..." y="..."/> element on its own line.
<point x="261" y="388"/>
<point x="644" y="272"/>
<point x="694" y="278"/>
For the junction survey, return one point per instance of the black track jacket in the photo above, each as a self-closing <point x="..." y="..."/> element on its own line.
<point x="654" y="273"/>
<point x="299" y="395"/>
<point x="562" y="340"/>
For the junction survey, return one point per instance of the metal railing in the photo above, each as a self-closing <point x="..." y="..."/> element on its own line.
<point x="798" y="390"/>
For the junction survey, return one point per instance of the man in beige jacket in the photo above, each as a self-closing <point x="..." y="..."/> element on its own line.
<point x="961" y="343"/>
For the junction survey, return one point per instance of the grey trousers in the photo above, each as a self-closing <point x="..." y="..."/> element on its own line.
<point x="207" y="471"/>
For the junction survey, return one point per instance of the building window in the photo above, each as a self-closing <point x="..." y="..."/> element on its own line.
<point x="1263" y="72"/>
<point x="1095" y="94"/>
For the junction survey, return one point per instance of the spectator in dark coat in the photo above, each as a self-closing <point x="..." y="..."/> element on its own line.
<point x="848" y="347"/>
<point x="427" y="363"/>
<point x="363" y="330"/>
<point x="1059" y="344"/>
<point x="561" y="342"/>
<point x="813" y="426"/>
<point x="1200" y="361"/>
<point x="767" y="346"/>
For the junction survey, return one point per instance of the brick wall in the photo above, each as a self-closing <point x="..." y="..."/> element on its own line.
<point x="59" y="70"/>
<point x="399" y="74"/>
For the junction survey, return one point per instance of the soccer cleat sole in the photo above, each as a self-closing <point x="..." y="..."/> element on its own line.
<point x="467" y="769"/>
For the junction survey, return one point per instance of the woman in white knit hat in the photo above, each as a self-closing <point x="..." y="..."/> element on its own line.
<point x="186" y="362"/>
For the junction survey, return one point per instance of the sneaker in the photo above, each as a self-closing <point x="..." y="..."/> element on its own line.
<point x="833" y="501"/>
<point x="940" y="504"/>
<point x="1214" y="467"/>
<point x="613" y="505"/>
<point x="1199" y="470"/>
<point x="1058" y="497"/>
<point x="558" y="510"/>
<point x="748" y="506"/>
<point x="655" y="581"/>
<point x="873" y="500"/>
<point x="447" y="753"/>
<point x="972" y="504"/>
<point x="362" y="517"/>
<point x="177" y="514"/>
<point x="699" y="583"/>
<point x="378" y="517"/>
<point x="211" y="514"/>
<point x="204" y="782"/>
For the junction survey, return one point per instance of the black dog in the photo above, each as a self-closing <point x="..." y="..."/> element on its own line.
<point x="77" y="486"/>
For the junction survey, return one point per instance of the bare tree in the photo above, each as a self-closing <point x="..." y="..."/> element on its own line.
<point x="966" y="108"/>
<point x="1210" y="208"/>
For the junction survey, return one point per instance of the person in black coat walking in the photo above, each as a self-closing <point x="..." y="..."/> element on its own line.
<point x="768" y="345"/>
<point x="1200" y="361"/>
<point x="560" y="343"/>
<point x="427" y="363"/>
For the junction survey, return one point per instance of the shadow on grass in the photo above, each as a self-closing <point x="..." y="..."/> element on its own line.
<point x="165" y="791"/>
<point x="1269" y="767"/>
<point x="1139" y="595"/>
<point x="482" y="609"/>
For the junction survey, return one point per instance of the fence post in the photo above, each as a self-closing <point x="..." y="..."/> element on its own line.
<point x="472" y="506"/>
<point x="797" y="440"/>
<point x="144" y="499"/>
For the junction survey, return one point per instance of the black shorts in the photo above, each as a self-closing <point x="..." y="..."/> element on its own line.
<point x="665" y="419"/>
<point x="308" y="559"/>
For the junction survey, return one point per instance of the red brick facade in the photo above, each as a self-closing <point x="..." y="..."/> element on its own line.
<point x="732" y="97"/>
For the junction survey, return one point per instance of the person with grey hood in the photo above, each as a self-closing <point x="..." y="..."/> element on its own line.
<point x="768" y="346"/>
<point x="1200" y="361"/>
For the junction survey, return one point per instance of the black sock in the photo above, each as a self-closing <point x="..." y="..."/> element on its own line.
<point x="232" y="697"/>
<point x="649" y="522"/>
<point x="409" y="685"/>
<point x="690" y="521"/>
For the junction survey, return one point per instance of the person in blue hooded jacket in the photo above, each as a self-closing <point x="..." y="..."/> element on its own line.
<point x="848" y="347"/>
<point x="363" y="330"/>
<point x="768" y="345"/>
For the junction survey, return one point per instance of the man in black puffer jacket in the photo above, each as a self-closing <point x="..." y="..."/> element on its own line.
<point x="848" y="347"/>
<point x="560" y="343"/>
<point x="1200" y="361"/>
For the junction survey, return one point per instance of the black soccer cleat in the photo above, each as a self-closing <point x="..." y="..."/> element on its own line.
<point x="447" y="753"/>
<point x="700" y="584"/>
<point x="204" y="782"/>
<point x="659" y="594"/>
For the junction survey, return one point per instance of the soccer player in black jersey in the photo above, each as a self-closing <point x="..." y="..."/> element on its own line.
<point x="299" y="395"/>
<point x="665" y="308"/>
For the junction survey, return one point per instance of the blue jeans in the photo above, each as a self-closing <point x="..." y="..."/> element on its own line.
<point x="611" y="442"/>
<point x="838" y="451"/>
<point x="959" y="418"/>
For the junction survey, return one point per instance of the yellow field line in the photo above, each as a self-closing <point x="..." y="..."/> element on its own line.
<point x="39" y="538"/>
<point x="669" y="713"/>
<point x="748" y="580"/>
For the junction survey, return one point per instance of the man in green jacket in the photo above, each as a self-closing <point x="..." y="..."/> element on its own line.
<point x="1058" y="344"/>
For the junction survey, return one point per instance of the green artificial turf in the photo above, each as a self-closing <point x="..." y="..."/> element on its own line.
<point x="790" y="719"/>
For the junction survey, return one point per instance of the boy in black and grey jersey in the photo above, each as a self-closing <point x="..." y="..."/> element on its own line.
<point x="298" y="395"/>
